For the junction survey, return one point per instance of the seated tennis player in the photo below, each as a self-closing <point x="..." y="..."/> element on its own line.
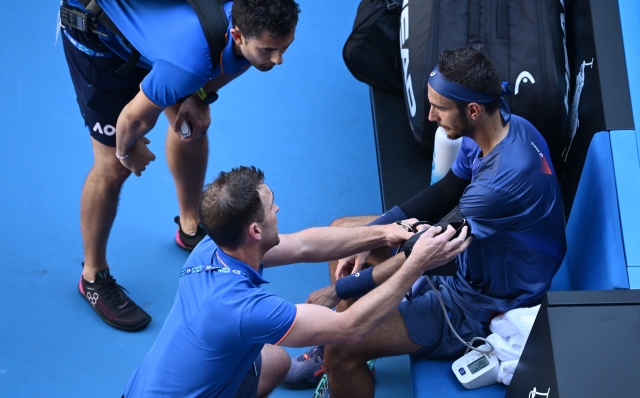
<point x="504" y="186"/>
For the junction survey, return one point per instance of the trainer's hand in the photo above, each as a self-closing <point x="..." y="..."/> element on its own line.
<point x="139" y="157"/>
<point x="196" y="112"/>
<point x="433" y="250"/>
<point x="326" y="297"/>
<point x="395" y="234"/>
<point x="351" y="264"/>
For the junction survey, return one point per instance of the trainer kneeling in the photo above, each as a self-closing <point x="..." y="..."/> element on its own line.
<point x="221" y="335"/>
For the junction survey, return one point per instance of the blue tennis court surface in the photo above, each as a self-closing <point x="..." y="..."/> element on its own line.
<point x="307" y="124"/>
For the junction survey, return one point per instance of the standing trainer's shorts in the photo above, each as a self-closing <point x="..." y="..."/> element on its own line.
<point x="424" y="319"/>
<point x="100" y="92"/>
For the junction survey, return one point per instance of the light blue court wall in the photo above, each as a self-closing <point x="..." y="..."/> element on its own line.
<point x="626" y="146"/>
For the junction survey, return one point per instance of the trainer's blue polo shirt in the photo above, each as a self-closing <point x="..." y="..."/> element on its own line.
<point x="172" y="44"/>
<point x="514" y="208"/>
<point x="219" y="322"/>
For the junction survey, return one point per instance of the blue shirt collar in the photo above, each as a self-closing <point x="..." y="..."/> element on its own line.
<point x="230" y="64"/>
<point x="222" y="259"/>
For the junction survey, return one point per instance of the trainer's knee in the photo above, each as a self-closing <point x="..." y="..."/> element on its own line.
<point x="282" y="361"/>
<point x="277" y="360"/>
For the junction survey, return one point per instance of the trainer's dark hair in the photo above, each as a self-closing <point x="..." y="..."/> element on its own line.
<point x="230" y="204"/>
<point x="277" y="17"/>
<point x="472" y="69"/>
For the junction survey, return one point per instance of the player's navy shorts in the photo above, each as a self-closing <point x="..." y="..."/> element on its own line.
<point x="100" y="92"/>
<point x="427" y="326"/>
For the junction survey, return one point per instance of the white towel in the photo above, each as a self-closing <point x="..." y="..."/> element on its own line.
<point x="510" y="333"/>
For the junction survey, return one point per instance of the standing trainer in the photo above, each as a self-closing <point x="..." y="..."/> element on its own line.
<point x="144" y="58"/>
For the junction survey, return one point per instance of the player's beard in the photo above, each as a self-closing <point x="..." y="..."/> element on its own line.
<point x="461" y="127"/>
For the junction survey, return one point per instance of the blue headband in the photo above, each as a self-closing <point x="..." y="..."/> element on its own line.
<point x="457" y="92"/>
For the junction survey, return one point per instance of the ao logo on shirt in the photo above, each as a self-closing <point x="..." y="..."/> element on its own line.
<point x="108" y="130"/>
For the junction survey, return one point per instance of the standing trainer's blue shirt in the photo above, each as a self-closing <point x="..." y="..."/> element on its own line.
<point x="514" y="208"/>
<point x="172" y="44"/>
<point x="219" y="322"/>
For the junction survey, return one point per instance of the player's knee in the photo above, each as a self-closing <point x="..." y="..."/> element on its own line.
<point x="339" y="358"/>
<point x="343" y="222"/>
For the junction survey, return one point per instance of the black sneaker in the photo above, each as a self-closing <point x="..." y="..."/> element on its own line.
<point x="186" y="241"/>
<point x="111" y="303"/>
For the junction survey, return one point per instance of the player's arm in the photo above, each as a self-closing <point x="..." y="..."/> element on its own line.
<point x="431" y="204"/>
<point x="317" y="325"/>
<point x="136" y="119"/>
<point x="195" y="110"/>
<point x="332" y="243"/>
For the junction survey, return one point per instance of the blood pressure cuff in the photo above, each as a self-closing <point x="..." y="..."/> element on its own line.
<point x="359" y="284"/>
<point x="431" y="203"/>
<point x="455" y="219"/>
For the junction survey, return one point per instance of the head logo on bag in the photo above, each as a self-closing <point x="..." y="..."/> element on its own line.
<point x="523" y="77"/>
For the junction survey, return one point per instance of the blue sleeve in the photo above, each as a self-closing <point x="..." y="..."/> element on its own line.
<point x="166" y="83"/>
<point x="267" y="319"/>
<point x="490" y="210"/>
<point x="461" y="167"/>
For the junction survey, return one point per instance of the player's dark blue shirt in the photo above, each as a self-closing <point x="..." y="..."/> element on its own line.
<point x="514" y="208"/>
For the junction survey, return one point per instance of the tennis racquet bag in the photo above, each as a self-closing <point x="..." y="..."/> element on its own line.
<point x="524" y="38"/>
<point x="371" y="52"/>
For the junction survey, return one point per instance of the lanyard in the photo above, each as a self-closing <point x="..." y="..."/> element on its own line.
<point x="85" y="49"/>
<point x="213" y="268"/>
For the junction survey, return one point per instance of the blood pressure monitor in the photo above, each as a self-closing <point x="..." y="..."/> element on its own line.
<point x="476" y="369"/>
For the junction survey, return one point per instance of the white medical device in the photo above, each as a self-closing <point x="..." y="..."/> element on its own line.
<point x="476" y="369"/>
<point x="185" y="129"/>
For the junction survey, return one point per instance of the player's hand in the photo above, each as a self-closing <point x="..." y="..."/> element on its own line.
<point x="351" y="264"/>
<point x="432" y="250"/>
<point x="326" y="297"/>
<point x="196" y="113"/>
<point x="139" y="157"/>
<point x="396" y="234"/>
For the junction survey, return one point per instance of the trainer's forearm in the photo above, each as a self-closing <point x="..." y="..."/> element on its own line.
<point x="326" y="244"/>
<point x="129" y="131"/>
<point x="136" y="119"/>
<point x="370" y="310"/>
